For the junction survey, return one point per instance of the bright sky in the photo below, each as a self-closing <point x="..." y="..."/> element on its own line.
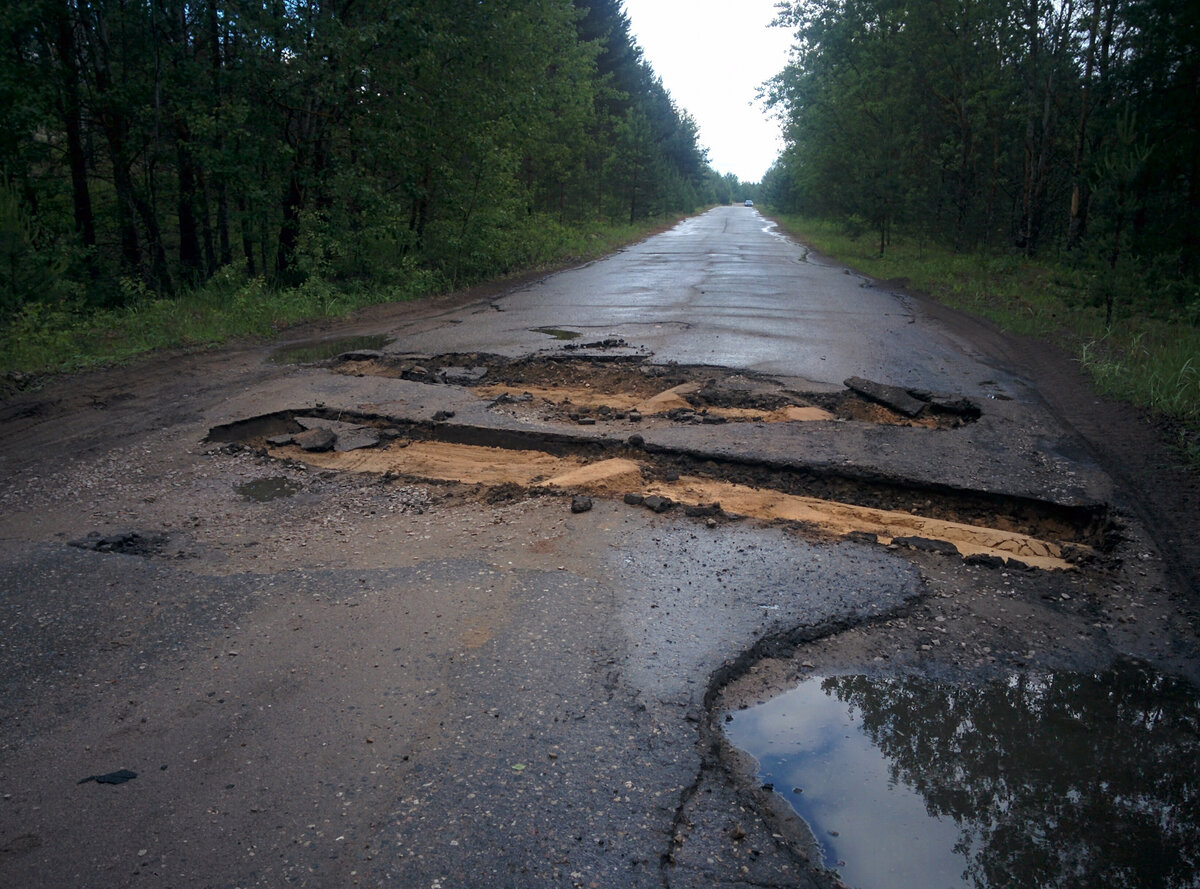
<point x="713" y="55"/>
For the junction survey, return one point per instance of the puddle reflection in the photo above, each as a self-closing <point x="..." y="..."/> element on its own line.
<point x="323" y="350"/>
<point x="264" y="490"/>
<point x="1055" y="779"/>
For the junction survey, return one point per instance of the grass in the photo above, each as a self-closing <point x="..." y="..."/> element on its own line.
<point x="48" y="338"/>
<point x="1148" y="355"/>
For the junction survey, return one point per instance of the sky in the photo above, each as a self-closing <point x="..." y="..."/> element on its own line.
<point x="713" y="55"/>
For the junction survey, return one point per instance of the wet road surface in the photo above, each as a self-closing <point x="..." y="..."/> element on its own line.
<point x="724" y="289"/>
<point x="368" y="678"/>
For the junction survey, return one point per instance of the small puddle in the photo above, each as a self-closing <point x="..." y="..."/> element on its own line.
<point x="558" y="333"/>
<point x="264" y="490"/>
<point x="323" y="350"/>
<point x="1061" y="779"/>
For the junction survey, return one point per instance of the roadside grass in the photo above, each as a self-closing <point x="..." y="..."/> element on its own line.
<point x="44" y="338"/>
<point x="1148" y="355"/>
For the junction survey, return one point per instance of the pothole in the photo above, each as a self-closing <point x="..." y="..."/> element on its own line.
<point x="1035" y="779"/>
<point x="264" y="490"/>
<point x="129" y="543"/>
<point x="983" y="528"/>
<point x="313" y="351"/>
<point x="570" y="387"/>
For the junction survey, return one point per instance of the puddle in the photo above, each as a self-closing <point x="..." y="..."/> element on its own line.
<point x="1060" y="779"/>
<point x="558" y="333"/>
<point x="264" y="490"/>
<point x="324" y="350"/>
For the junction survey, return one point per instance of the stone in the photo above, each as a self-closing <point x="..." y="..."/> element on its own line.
<point x="984" y="560"/>
<point x="634" y="499"/>
<point x="315" y="440"/>
<point x="926" y="544"/>
<point x="580" y="504"/>
<point x="894" y="397"/>
<point x="356" y="438"/>
<point x="655" y="503"/>
<point x="462" y="376"/>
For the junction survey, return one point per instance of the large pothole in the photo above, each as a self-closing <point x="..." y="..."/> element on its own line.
<point x="589" y="389"/>
<point x="981" y="527"/>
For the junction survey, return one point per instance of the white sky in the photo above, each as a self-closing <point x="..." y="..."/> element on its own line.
<point x="713" y="55"/>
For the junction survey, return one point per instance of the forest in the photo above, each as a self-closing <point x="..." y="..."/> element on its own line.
<point x="150" y="148"/>
<point x="1061" y="129"/>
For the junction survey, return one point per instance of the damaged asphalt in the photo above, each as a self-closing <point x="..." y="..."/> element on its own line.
<point x="372" y="678"/>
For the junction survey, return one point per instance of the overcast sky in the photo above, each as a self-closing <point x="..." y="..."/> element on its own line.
<point x="713" y="55"/>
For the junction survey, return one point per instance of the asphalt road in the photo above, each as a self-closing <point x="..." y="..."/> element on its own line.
<point x="393" y="681"/>
<point x="725" y="289"/>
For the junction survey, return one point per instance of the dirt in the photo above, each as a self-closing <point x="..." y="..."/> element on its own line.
<point x="574" y="385"/>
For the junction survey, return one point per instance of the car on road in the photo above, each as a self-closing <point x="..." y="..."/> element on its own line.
<point x="749" y="203"/>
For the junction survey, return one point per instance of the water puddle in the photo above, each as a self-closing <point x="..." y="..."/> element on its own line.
<point x="264" y="490"/>
<point x="324" y="350"/>
<point x="1059" y="779"/>
<point x="558" y="333"/>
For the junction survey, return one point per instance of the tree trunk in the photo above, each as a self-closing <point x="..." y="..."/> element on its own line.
<point x="1080" y="193"/>
<point x="85" y="222"/>
<point x="289" y="230"/>
<point x="191" y="264"/>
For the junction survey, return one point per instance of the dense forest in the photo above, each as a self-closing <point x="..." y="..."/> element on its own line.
<point x="1064" y="128"/>
<point x="148" y="145"/>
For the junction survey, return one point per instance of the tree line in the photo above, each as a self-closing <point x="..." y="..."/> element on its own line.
<point x="1064" y="127"/>
<point x="147" y="145"/>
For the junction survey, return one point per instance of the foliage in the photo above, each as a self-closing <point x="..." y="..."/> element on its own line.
<point x="43" y="337"/>
<point x="162" y="144"/>
<point x="1035" y="162"/>
<point x="1044" y="127"/>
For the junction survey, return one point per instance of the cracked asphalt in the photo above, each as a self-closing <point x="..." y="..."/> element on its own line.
<point x="391" y="681"/>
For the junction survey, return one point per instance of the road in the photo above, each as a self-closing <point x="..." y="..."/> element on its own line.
<point x="460" y="655"/>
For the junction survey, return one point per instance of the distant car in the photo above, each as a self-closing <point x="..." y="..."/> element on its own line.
<point x="749" y="203"/>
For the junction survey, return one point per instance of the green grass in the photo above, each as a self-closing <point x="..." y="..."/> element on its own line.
<point x="1148" y="355"/>
<point x="45" y="338"/>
